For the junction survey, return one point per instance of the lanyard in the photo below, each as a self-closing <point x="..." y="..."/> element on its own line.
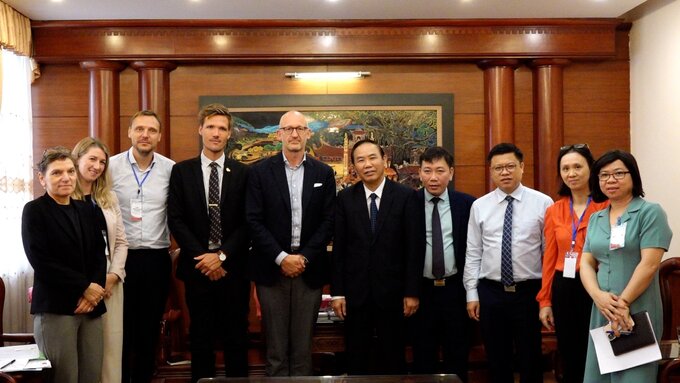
<point x="139" y="184"/>
<point x="574" y="228"/>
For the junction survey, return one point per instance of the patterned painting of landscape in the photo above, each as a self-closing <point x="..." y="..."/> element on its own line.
<point x="404" y="133"/>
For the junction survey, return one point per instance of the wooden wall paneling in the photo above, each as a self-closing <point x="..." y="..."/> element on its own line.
<point x="524" y="91"/>
<point x="185" y="141"/>
<point x="524" y="139"/>
<point x="61" y="91"/>
<point x="597" y="87"/>
<point x="468" y="141"/>
<point x="129" y="94"/>
<point x="471" y="179"/>
<point x="601" y="131"/>
<point x="54" y="131"/>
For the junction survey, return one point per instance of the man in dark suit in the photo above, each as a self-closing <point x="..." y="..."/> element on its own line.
<point x="442" y="318"/>
<point x="207" y="218"/>
<point x="289" y="209"/>
<point x="376" y="264"/>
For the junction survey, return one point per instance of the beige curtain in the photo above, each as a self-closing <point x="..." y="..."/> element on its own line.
<point x="15" y="34"/>
<point x="17" y="71"/>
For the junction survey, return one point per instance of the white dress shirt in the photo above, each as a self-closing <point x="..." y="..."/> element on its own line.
<point x="295" y="176"/>
<point x="151" y="232"/>
<point x="485" y="234"/>
<point x="378" y="191"/>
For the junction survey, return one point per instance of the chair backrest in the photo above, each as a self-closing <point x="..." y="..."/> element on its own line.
<point x="669" y="281"/>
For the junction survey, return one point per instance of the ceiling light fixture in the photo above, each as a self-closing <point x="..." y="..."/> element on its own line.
<point x="326" y="75"/>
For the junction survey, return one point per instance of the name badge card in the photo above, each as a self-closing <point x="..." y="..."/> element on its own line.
<point x="618" y="237"/>
<point x="136" y="209"/>
<point x="570" y="258"/>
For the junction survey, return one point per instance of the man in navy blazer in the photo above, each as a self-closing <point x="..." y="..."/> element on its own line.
<point x="376" y="264"/>
<point x="209" y="227"/>
<point x="442" y="319"/>
<point x="289" y="209"/>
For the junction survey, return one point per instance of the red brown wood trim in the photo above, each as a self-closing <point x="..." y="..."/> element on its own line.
<point x="154" y="94"/>
<point x="548" y="122"/>
<point x="381" y="41"/>
<point x="143" y="65"/>
<point x="102" y="65"/>
<point x="499" y="104"/>
<point x="104" y="106"/>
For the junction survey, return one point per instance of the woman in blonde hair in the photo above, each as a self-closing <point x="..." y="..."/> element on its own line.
<point x="92" y="160"/>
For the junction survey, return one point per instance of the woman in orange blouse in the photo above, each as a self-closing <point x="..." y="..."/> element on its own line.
<point x="565" y="304"/>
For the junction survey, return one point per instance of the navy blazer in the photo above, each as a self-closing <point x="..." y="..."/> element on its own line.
<point x="382" y="268"/>
<point x="461" y="204"/>
<point x="65" y="259"/>
<point x="268" y="213"/>
<point x="188" y="216"/>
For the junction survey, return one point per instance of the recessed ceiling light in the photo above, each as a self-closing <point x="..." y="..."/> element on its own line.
<point x="56" y="1"/>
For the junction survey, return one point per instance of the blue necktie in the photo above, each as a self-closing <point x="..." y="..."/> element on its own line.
<point x="506" y="246"/>
<point x="374" y="212"/>
<point x="438" y="267"/>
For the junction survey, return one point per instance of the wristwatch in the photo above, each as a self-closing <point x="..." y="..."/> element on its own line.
<point x="221" y="255"/>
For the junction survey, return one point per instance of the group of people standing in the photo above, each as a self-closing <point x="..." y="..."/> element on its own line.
<point x="403" y="261"/>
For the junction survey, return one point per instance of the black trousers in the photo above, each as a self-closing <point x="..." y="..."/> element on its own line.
<point x="441" y="321"/>
<point x="507" y="319"/>
<point x="383" y="323"/>
<point x="571" y="308"/>
<point x="145" y="291"/>
<point x="219" y="312"/>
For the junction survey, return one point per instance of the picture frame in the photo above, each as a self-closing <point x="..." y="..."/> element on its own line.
<point x="403" y="124"/>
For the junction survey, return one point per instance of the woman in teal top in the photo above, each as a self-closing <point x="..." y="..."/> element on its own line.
<point x="621" y="257"/>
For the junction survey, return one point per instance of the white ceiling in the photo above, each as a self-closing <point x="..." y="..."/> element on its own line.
<point x="318" y="9"/>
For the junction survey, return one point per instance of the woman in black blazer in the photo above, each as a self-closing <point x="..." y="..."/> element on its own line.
<point x="64" y="241"/>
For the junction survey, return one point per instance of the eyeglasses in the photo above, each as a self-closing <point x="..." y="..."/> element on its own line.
<point x="575" y="146"/>
<point x="291" y="129"/>
<point x="616" y="175"/>
<point x="509" y="167"/>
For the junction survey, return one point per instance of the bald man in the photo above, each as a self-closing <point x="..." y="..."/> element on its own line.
<point x="289" y="209"/>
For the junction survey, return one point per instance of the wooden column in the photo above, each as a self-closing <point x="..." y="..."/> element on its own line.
<point x="499" y="104"/>
<point x="548" y="122"/>
<point x="154" y="94"/>
<point x="105" y="101"/>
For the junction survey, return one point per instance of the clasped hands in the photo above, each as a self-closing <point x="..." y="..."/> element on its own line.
<point x="293" y="265"/>
<point x="90" y="299"/>
<point x="616" y="310"/>
<point x="209" y="264"/>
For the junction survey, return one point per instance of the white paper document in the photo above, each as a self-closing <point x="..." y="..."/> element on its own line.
<point x="610" y="363"/>
<point x="22" y="358"/>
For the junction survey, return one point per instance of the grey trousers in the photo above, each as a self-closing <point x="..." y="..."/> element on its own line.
<point x="289" y="312"/>
<point x="73" y="344"/>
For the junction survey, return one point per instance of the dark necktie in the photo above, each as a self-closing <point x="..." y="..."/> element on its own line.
<point x="438" y="268"/>
<point x="214" y="205"/>
<point x="374" y="212"/>
<point x="506" y="246"/>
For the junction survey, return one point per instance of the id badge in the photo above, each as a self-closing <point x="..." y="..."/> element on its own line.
<point x="570" y="258"/>
<point x="618" y="237"/>
<point x="136" y="209"/>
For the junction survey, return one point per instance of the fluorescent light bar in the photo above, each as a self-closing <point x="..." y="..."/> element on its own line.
<point x="326" y="75"/>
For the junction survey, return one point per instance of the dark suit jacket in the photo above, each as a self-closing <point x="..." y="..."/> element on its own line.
<point x="378" y="269"/>
<point x="268" y="213"/>
<point x="460" y="214"/>
<point x="188" y="216"/>
<point x="65" y="260"/>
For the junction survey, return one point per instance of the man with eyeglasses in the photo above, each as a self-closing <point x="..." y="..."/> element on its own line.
<point x="289" y="208"/>
<point x="503" y="268"/>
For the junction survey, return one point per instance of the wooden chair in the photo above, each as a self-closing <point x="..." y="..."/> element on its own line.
<point x="4" y="378"/>
<point x="669" y="281"/>
<point x="15" y="337"/>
